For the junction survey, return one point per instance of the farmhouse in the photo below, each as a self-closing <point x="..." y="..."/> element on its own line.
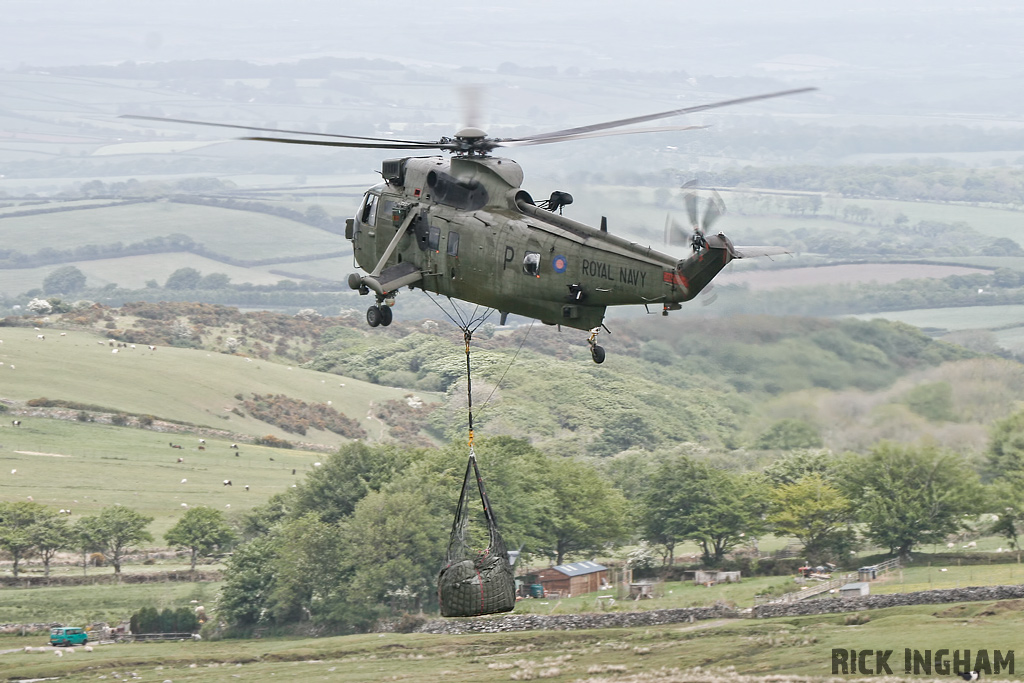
<point x="573" y="579"/>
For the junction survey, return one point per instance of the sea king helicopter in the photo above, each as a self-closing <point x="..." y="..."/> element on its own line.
<point x="462" y="227"/>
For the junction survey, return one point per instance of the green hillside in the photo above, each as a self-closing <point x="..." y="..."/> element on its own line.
<point x="189" y="385"/>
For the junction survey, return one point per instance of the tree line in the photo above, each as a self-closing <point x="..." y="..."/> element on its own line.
<point x="29" y="529"/>
<point x="362" y="537"/>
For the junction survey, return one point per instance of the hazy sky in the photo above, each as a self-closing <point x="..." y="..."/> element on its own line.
<point x="729" y="36"/>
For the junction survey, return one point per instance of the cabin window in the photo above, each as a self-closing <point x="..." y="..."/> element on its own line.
<point x="453" y="243"/>
<point x="433" y="238"/>
<point x="531" y="263"/>
<point x="368" y="214"/>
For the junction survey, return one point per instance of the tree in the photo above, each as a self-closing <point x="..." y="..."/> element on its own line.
<point x="50" y="534"/>
<point x="86" y="538"/>
<point x="817" y="514"/>
<point x="64" y="280"/>
<point x="116" y="530"/>
<point x="789" y="434"/>
<point x="214" y="281"/>
<point x="587" y="512"/>
<point x="714" y="508"/>
<point x="909" y="495"/>
<point x="201" y="530"/>
<point x="16" y="522"/>
<point x="184" y="278"/>
<point x="249" y="579"/>
<point x="1006" y="449"/>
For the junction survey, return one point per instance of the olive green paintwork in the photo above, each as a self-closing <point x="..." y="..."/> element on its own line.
<point x="473" y="234"/>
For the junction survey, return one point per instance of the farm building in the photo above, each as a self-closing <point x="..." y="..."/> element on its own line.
<point x="573" y="579"/>
<point x="855" y="590"/>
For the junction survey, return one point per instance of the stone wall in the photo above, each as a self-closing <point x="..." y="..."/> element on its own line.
<point x="834" y="604"/>
<point x="571" y="622"/>
<point x="657" y="617"/>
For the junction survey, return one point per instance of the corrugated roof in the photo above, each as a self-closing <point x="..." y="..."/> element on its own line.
<point x="580" y="568"/>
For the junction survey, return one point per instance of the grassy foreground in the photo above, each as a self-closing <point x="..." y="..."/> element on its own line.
<point x="797" y="646"/>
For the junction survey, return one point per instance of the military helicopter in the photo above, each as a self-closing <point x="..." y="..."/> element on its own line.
<point x="462" y="227"/>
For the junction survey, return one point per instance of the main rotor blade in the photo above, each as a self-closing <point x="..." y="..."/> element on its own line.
<point x="716" y="207"/>
<point x="562" y="134"/>
<point x="360" y="145"/>
<point x="162" y="119"/>
<point x="524" y="142"/>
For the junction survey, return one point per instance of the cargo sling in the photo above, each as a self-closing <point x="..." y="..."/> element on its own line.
<point x="475" y="583"/>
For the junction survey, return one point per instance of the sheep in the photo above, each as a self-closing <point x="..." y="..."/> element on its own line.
<point x="58" y="653"/>
<point x="184" y="481"/>
<point x="70" y="650"/>
<point x="113" y="351"/>
<point x="202" y="441"/>
<point x="950" y="546"/>
<point x="238" y="454"/>
<point x="181" y="459"/>
<point x="972" y="544"/>
<point x="41" y="336"/>
<point x="235" y="446"/>
<point x="16" y="423"/>
<point x="101" y="342"/>
<point x="227" y="482"/>
<point x="202" y="448"/>
<point x="87" y="648"/>
<point x="63" y="334"/>
<point x="246" y="487"/>
<point x="152" y="348"/>
<point x="31" y="499"/>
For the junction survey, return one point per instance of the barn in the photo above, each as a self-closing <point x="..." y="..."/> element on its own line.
<point x="577" y="578"/>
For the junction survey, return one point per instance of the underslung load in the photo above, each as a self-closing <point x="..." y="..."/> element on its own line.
<point x="474" y="583"/>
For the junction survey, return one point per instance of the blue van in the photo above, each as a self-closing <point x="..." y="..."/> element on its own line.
<point x="61" y="636"/>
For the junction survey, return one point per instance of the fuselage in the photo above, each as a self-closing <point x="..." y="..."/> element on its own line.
<point x="474" y="235"/>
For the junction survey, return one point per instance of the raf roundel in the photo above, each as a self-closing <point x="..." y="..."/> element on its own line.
<point x="559" y="264"/>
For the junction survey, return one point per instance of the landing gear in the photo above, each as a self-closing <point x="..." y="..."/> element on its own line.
<point x="596" y="352"/>
<point x="374" y="316"/>
<point x="379" y="314"/>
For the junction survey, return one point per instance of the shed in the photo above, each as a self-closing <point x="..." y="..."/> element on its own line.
<point x="573" y="579"/>
<point x="705" y="577"/>
<point x="855" y="590"/>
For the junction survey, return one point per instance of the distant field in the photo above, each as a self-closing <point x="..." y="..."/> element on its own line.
<point x="181" y="384"/>
<point x="86" y="467"/>
<point x="962" y="318"/>
<point x="880" y="273"/>
<point x="83" y="605"/>
<point x="239" y="234"/>
<point x="132" y="272"/>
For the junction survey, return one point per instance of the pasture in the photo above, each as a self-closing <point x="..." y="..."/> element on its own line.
<point x="85" y="467"/>
<point x="786" y="646"/>
<point x="956" y="318"/>
<point x="194" y="386"/>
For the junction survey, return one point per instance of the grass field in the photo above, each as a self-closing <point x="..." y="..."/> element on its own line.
<point x="180" y="384"/>
<point x="85" y="467"/>
<point x="794" y="646"/>
<point x="83" y="605"/>
<point x="958" y="318"/>
<point x="240" y="234"/>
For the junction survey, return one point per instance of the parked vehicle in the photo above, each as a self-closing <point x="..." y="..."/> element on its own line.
<point x="65" y="636"/>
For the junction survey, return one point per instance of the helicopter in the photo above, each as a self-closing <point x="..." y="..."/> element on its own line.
<point x="462" y="227"/>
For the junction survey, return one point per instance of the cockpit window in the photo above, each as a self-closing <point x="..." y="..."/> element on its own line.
<point x="369" y="211"/>
<point x="433" y="238"/>
<point x="531" y="263"/>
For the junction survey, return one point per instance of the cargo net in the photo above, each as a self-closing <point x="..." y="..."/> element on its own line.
<point x="475" y="582"/>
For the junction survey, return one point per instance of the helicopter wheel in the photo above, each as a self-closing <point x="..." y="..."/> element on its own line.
<point x="374" y="316"/>
<point x="597" y="353"/>
<point x="386" y="316"/>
